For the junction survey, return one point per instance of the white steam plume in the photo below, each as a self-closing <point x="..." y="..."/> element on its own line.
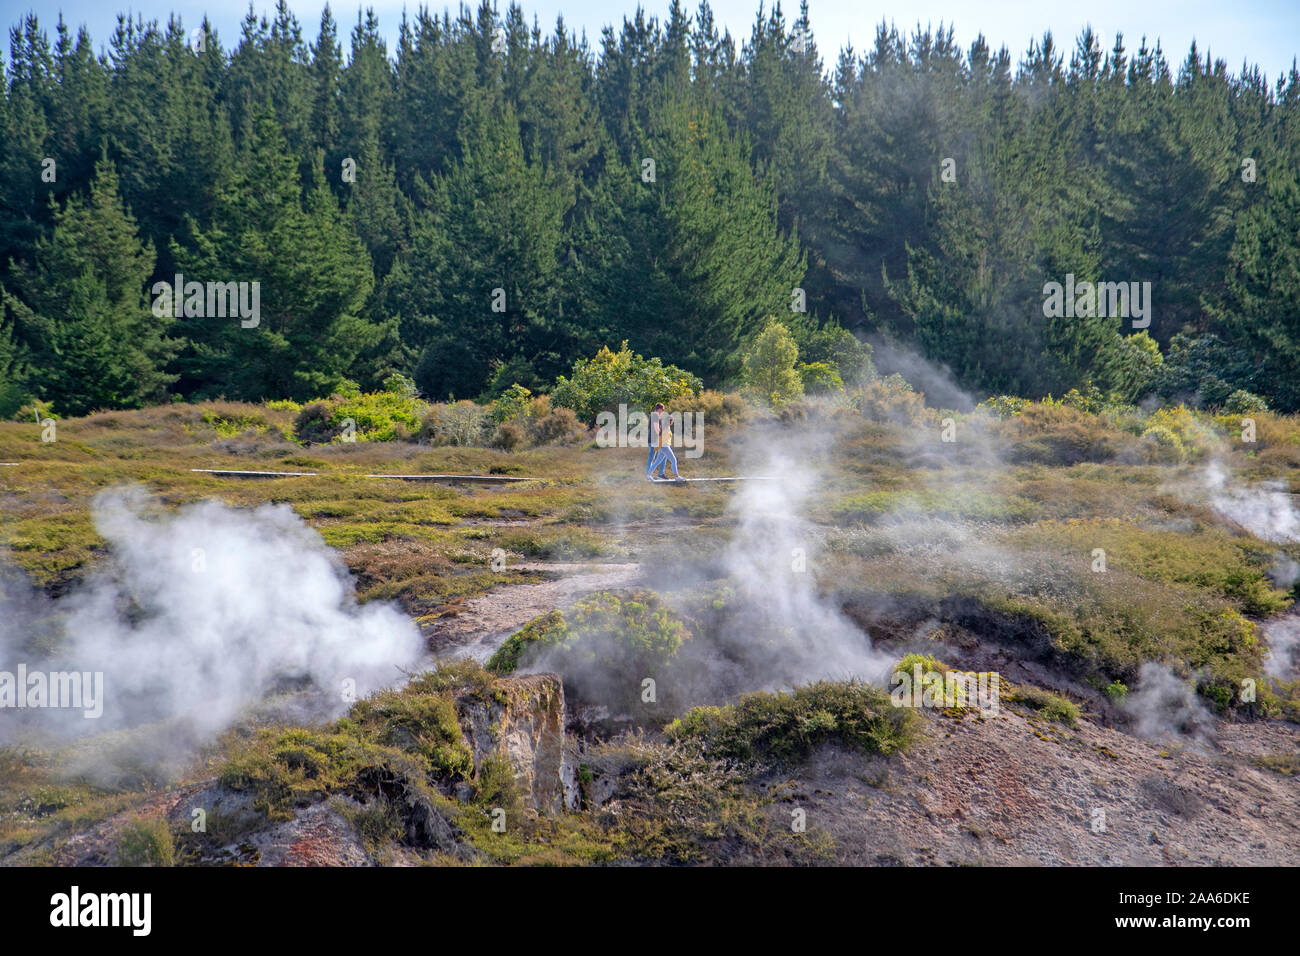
<point x="202" y="612"/>
<point x="1283" y="660"/>
<point x="1165" y="708"/>
<point x="786" y="632"/>
<point x="1265" y="510"/>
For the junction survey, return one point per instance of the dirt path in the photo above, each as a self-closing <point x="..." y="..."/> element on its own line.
<point x="484" y="622"/>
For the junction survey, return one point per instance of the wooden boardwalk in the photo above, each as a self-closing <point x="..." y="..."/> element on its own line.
<point x="228" y="473"/>
<point x="485" y="478"/>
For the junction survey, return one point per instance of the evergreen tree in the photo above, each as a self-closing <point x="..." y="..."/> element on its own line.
<point x="479" y="286"/>
<point x="1259" y="311"/>
<point x="313" y="277"/>
<point x="326" y="86"/>
<point x="700" y="271"/>
<point x="80" y="312"/>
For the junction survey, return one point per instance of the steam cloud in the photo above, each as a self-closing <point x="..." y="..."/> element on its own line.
<point x="1283" y="661"/>
<point x="785" y="631"/>
<point x="199" y="614"/>
<point x="1165" y="707"/>
<point x="1264" y="510"/>
<point x="777" y="630"/>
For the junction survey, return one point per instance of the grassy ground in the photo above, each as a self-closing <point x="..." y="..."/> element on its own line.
<point x="998" y="531"/>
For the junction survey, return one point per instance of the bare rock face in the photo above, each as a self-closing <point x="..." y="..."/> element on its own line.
<point x="527" y="728"/>
<point x="319" y="835"/>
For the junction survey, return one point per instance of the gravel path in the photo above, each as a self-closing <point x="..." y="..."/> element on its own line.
<point x="484" y="622"/>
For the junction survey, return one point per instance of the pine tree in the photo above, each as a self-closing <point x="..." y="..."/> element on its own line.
<point x="367" y="86"/>
<point x="326" y="87"/>
<point x="1259" y="310"/>
<point x="480" y="283"/>
<point x="81" y="313"/>
<point x="311" y="270"/>
<point x="379" y="213"/>
<point x="24" y="187"/>
<point x="706" y="258"/>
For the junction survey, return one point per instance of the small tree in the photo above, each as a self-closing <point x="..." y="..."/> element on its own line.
<point x="769" y="364"/>
<point x="603" y="382"/>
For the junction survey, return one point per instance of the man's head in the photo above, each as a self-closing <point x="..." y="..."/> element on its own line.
<point x="659" y="406"/>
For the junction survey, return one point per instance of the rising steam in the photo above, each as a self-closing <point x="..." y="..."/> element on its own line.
<point x="1165" y="708"/>
<point x="199" y="614"/>
<point x="1265" y="510"/>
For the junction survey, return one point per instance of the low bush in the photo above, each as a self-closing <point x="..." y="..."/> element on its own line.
<point x="819" y="378"/>
<point x="719" y="408"/>
<point x="1057" y="434"/>
<point x="508" y="436"/>
<point x="457" y="423"/>
<point x="891" y="400"/>
<point x="1048" y="705"/>
<point x="146" y="843"/>
<point x="602" y="647"/>
<point x="784" y="727"/>
<point x="368" y="416"/>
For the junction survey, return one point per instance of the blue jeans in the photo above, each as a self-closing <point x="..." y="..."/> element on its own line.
<point x="649" y="463"/>
<point x="664" y="457"/>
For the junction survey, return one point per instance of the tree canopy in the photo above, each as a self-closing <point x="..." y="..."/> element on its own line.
<point x="487" y="202"/>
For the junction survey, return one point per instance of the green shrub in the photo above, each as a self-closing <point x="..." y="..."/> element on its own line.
<point x="494" y="788"/>
<point x="425" y="724"/>
<point x="783" y="727"/>
<point x="547" y="630"/>
<point x="620" y="629"/>
<point x="819" y="378"/>
<point x="400" y="385"/>
<point x="1163" y="444"/>
<point x="458" y="423"/>
<point x="1091" y="401"/>
<point x="228" y="426"/>
<point x="929" y="664"/>
<point x="376" y="416"/>
<point x="1195" y="436"/>
<point x="891" y="400"/>
<point x="513" y="403"/>
<point x="603" y="646"/>
<point x="602" y="383"/>
<point x="1005" y="406"/>
<point x="1049" y="706"/>
<point x="1133" y="368"/>
<point x="719" y="408"/>
<point x="837" y="348"/>
<point x="1242" y="402"/>
<point x="146" y="843"/>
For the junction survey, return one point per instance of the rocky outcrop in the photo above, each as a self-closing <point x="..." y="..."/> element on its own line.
<point x="319" y="835"/>
<point x="525" y="724"/>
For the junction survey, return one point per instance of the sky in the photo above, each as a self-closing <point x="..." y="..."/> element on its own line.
<point x="1263" y="32"/>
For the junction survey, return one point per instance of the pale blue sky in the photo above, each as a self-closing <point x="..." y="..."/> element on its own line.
<point x="1266" y="32"/>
